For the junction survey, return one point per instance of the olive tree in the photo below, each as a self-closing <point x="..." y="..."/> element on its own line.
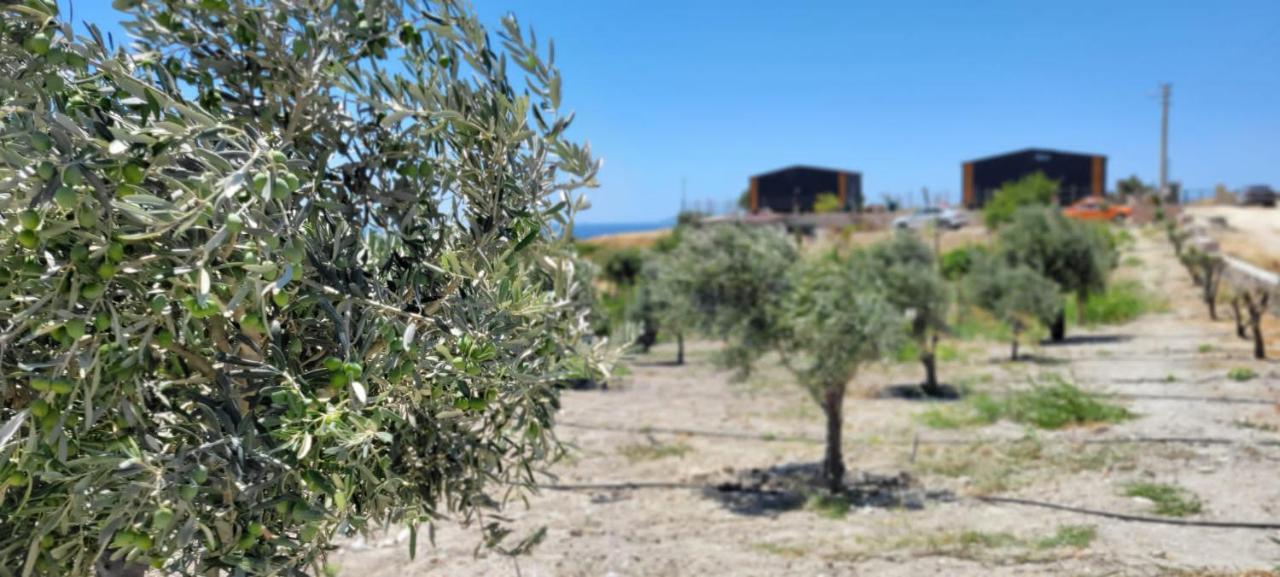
<point x="262" y="285"/>
<point x="1206" y="270"/>
<point x="908" y="270"/>
<point x="1075" y="255"/>
<point x="824" y="316"/>
<point x="1014" y="293"/>
<point x="664" y="301"/>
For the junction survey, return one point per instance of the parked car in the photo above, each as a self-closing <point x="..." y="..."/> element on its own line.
<point x="1259" y="195"/>
<point x="944" y="217"/>
<point x="1098" y="208"/>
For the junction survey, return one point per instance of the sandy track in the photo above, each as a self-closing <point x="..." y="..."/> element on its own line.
<point x="622" y="436"/>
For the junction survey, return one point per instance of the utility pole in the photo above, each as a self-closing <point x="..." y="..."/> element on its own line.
<point x="1164" y="142"/>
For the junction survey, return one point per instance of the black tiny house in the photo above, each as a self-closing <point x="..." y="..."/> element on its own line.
<point x="1078" y="175"/>
<point x="795" y="188"/>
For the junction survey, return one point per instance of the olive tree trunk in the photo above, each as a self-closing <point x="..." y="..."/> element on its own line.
<point x="680" y="348"/>
<point x="1058" y="328"/>
<point x="1017" y="329"/>
<point x="833" y="463"/>
<point x="1239" y="317"/>
<point x="1081" y="299"/>
<point x="1257" y="306"/>
<point x="930" y="386"/>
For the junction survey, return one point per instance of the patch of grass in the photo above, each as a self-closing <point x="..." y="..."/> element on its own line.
<point x="1061" y="404"/>
<point x="1131" y="261"/>
<point x="997" y="467"/>
<point x="1120" y="303"/>
<point x="1170" y="378"/>
<point x="639" y="452"/>
<point x="828" y="506"/>
<point x="1241" y="374"/>
<point x="1204" y="348"/>
<point x="1257" y="425"/>
<point x="975" y="411"/>
<point x="1169" y="500"/>
<point x="1073" y="536"/>
<point x="1053" y="406"/>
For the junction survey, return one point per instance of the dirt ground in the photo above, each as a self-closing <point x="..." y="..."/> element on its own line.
<point x="637" y="502"/>
<point x="1252" y="233"/>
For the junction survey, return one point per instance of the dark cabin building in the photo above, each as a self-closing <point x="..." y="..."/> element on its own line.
<point x="1078" y="175"/>
<point x="795" y="188"/>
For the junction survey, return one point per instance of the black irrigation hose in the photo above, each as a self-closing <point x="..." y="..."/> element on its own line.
<point x="639" y="485"/>
<point x="1133" y="518"/>
<point x="816" y="441"/>
<point x="1198" y="398"/>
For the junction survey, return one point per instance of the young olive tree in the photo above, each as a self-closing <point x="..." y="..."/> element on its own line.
<point x="1014" y="293"/>
<point x="908" y="270"/>
<point x="262" y="286"/>
<point x="664" y="300"/>
<point x="1075" y="255"/>
<point x="1206" y="270"/>
<point x="824" y="316"/>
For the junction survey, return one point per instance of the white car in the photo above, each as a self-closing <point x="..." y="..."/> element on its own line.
<point x="944" y="217"/>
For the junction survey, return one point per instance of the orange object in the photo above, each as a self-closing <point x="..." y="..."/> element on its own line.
<point x="1097" y="208"/>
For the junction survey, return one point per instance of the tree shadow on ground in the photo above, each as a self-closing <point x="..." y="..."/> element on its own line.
<point x="1086" y="340"/>
<point x="655" y="363"/>
<point x="915" y="392"/>
<point x="1031" y="358"/>
<point x="788" y="487"/>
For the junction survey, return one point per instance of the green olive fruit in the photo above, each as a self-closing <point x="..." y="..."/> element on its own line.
<point x="39" y="408"/>
<point x="188" y="492"/>
<point x="291" y="180"/>
<point x="46" y="170"/>
<point x="278" y="157"/>
<point x="66" y="197"/>
<point x="75" y="328"/>
<point x="38" y="43"/>
<point x="256" y="528"/>
<point x="158" y="303"/>
<point x="28" y="239"/>
<point x="106" y="270"/>
<point x="354" y="370"/>
<point x="333" y="364"/>
<point x="161" y="518"/>
<point x="102" y="322"/>
<point x="164" y="338"/>
<point x="39" y="384"/>
<point x="73" y="175"/>
<point x="200" y="474"/>
<point x="79" y="253"/>
<point x="93" y="291"/>
<point x="234" y="221"/>
<point x="252" y="322"/>
<point x="61" y="386"/>
<point x="15" y="478"/>
<point x="41" y="142"/>
<point x="87" y="217"/>
<point x="281" y="298"/>
<point x="260" y="181"/>
<point x="134" y="173"/>
<point x="30" y="219"/>
<point x="115" y="252"/>
<point x="337" y="380"/>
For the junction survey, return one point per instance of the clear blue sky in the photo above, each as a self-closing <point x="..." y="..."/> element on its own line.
<point x="901" y="90"/>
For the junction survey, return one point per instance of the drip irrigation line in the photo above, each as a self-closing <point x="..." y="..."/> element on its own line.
<point x="1198" y="398"/>
<point x="816" y="441"/>
<point x="1132" y="518"/>
<point x="658" y="485"/>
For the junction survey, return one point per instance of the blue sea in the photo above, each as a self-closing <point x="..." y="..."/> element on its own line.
<point x="585" y="230"/>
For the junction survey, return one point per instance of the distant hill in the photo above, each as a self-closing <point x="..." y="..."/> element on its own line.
<point x="586" y="230"/>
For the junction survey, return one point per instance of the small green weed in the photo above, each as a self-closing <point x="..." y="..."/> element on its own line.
<point x="1074" y="536"/>
<point x="1204" y="348"/>
<point x="829" y="506"/>
<point x="1241" y="374"/>
<point x="1170" y="500"/>
<point x="1131" y="261"/>
<point x="653" y="451"/>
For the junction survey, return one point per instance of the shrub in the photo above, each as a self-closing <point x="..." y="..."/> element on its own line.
<point x="1030" y="191"/>
<point x="1119" y="303"/>
<point x="624" y="266"/>
<point x="1060" y="404"/>
<point x="250" y="311"/>
<point x="827" y="202"/>
<point x="957" y="262"/>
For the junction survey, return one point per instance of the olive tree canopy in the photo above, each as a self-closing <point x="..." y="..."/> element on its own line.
<point x="288" y="268"/>
<point x="913" y="282"/>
